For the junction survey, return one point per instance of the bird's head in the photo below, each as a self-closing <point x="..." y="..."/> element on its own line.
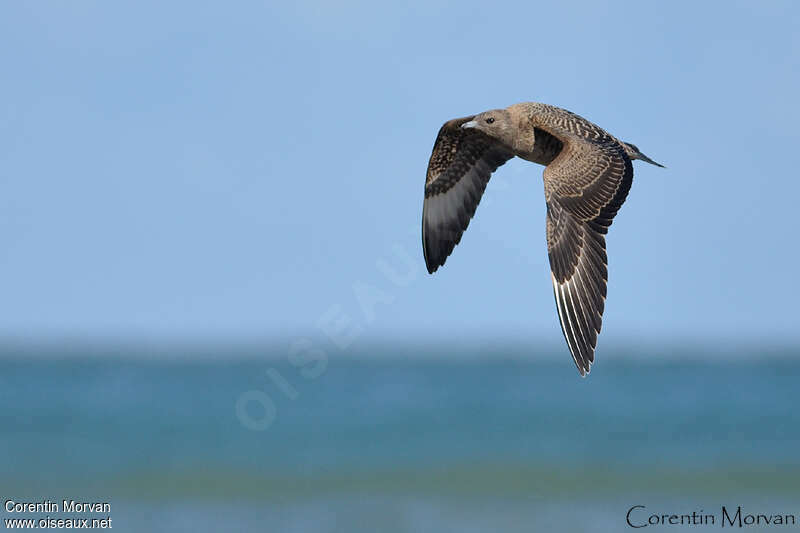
<point x="496" y="123"/>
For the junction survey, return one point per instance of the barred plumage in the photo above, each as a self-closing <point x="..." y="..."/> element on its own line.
<point x="587" y="176"/>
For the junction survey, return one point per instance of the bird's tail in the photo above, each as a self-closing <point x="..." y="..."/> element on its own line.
<point x="634" y="153"/>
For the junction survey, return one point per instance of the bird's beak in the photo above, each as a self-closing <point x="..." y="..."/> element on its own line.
<point x="470" y="124"/>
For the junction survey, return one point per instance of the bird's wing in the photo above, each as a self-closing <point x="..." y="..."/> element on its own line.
<point x="458" y="171"/>
<point x="584" y="187"/>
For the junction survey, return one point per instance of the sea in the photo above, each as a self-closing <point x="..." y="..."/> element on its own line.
<point x="398" y="439"/>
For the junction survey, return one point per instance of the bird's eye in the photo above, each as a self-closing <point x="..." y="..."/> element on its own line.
<point x="489" y="120"/>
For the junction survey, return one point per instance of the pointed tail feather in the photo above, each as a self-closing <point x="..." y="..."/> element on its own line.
<point x="634" y="153"/>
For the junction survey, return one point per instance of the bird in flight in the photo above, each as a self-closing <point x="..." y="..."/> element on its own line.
<point x="587" y="175"/>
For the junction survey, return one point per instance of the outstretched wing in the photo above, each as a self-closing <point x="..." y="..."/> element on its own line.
<point x="578" y="265"/>
<point x="584" y="187"/>
<point x="458" y="171"/>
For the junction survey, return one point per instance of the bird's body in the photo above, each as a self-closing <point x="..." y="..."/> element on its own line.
<point x="587" y="176"/>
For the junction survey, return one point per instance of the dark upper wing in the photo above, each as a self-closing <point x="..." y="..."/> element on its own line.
<point x="578" y="265"/>
<point x="458" y="171"/>
<point x="585" y="187"/>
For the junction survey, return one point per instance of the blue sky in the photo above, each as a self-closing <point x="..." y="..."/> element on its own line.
<point x="185" y="170"/>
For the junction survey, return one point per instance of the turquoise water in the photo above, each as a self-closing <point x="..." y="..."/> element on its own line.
<point x="399" y="444"/>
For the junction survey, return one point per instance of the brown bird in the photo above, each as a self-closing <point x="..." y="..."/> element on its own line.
<point x="587" y="175"/>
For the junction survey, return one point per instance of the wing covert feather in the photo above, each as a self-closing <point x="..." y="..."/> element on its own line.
<point x="460" y="166"/>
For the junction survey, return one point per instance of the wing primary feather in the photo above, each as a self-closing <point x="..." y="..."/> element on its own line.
<point x="562" y="317"/>
<point x="460" y="166"/>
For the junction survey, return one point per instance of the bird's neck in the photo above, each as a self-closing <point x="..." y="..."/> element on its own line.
<point x="537" y="145"/>
<point x="524" y="141"/>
